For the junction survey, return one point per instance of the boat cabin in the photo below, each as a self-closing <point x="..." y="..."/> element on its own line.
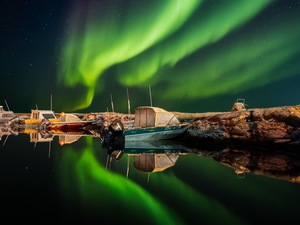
<point x="146" y="116"/>
<point x="5" y="115"/>
<point x="41" y="114"/>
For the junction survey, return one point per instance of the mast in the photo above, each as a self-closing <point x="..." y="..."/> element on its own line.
<point x="7" y="105"/>
<point x="128" y="101"/>
<point x="51" y="102"/>
<point x="112" y="104"/>
<point x="150" y="95"/>
<point x="49" y="147"/>
<point x="5" y="140"/>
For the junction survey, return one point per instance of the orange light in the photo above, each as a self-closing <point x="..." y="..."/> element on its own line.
<point x="62" y="142"/>
<point x="63" y="114"/>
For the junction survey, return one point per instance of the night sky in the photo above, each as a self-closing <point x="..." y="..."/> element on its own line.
<point x="198" y="56"/>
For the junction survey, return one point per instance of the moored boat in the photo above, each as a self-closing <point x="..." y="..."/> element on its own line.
<point x="5" y="116"/>
<point x="153" y="123"/>
<point x="38" y="115"/>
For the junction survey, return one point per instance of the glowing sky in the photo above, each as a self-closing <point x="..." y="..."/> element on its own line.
<point x="105" y="41"/>
<point x="208" y="47"/>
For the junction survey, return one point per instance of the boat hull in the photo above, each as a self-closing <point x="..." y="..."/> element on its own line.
<point x="154" y="133"/>
<point x="154" y="146"/>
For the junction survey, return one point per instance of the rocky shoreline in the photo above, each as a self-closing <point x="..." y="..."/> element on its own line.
<point x="278" y="126"/>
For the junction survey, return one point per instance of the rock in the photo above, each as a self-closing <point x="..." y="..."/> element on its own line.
<point x="279" y="125"/>
<point x="110" y="117"/>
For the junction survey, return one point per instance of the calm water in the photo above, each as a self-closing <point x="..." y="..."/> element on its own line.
<point x="78" y="185"/>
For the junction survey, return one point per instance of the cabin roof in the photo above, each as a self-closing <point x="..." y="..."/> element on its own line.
<point x="146" y="116"/>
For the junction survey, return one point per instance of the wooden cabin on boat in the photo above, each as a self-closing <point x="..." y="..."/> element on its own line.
<point x="153" y="123"/>
<point x="5" y="115"/>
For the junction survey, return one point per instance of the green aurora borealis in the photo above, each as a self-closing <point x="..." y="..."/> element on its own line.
<point x="201" y="45"/>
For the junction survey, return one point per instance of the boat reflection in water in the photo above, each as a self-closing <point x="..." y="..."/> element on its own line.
<point x="148" y="156"/>
<point x="154" y="156"/>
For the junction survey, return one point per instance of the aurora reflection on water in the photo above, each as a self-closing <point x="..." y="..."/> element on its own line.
<point x="73" y="186"/>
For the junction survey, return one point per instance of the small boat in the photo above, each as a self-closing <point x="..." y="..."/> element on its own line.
<point x="63" y="122"/>
<point x="153" y="123"/>
<point x="5" y="116"/>
<point x="38" y="115"/>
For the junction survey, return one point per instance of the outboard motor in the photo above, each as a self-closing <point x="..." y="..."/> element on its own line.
<point x="42" y="128"/>
<point x="12" y="121"/>
<point x="12" y="125"/>
<point x="113" y="139"/>
<point x="43" y="125"/>
<point x="117" y="126"/>
<point x="115" y="132"/>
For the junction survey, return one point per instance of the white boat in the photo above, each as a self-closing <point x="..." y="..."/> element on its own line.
<point x="153" y="123"/>
<point x="5" y="116"/>
<point x="38" y="115"/>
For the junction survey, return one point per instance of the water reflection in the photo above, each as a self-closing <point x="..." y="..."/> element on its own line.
<point x="157" y="156"/>
<point x="148" y="156"/>
<point x="197" y="176"/>
<point x="260" y="162"/>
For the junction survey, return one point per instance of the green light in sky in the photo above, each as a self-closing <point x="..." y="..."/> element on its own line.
<point x="204" y="29"/>
<point x="191" y="48"/>
<point x="255" y="61"/>
<point x="103" y="42"/>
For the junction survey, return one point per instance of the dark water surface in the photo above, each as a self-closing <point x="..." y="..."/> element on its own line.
<point x="74" y="186"/>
